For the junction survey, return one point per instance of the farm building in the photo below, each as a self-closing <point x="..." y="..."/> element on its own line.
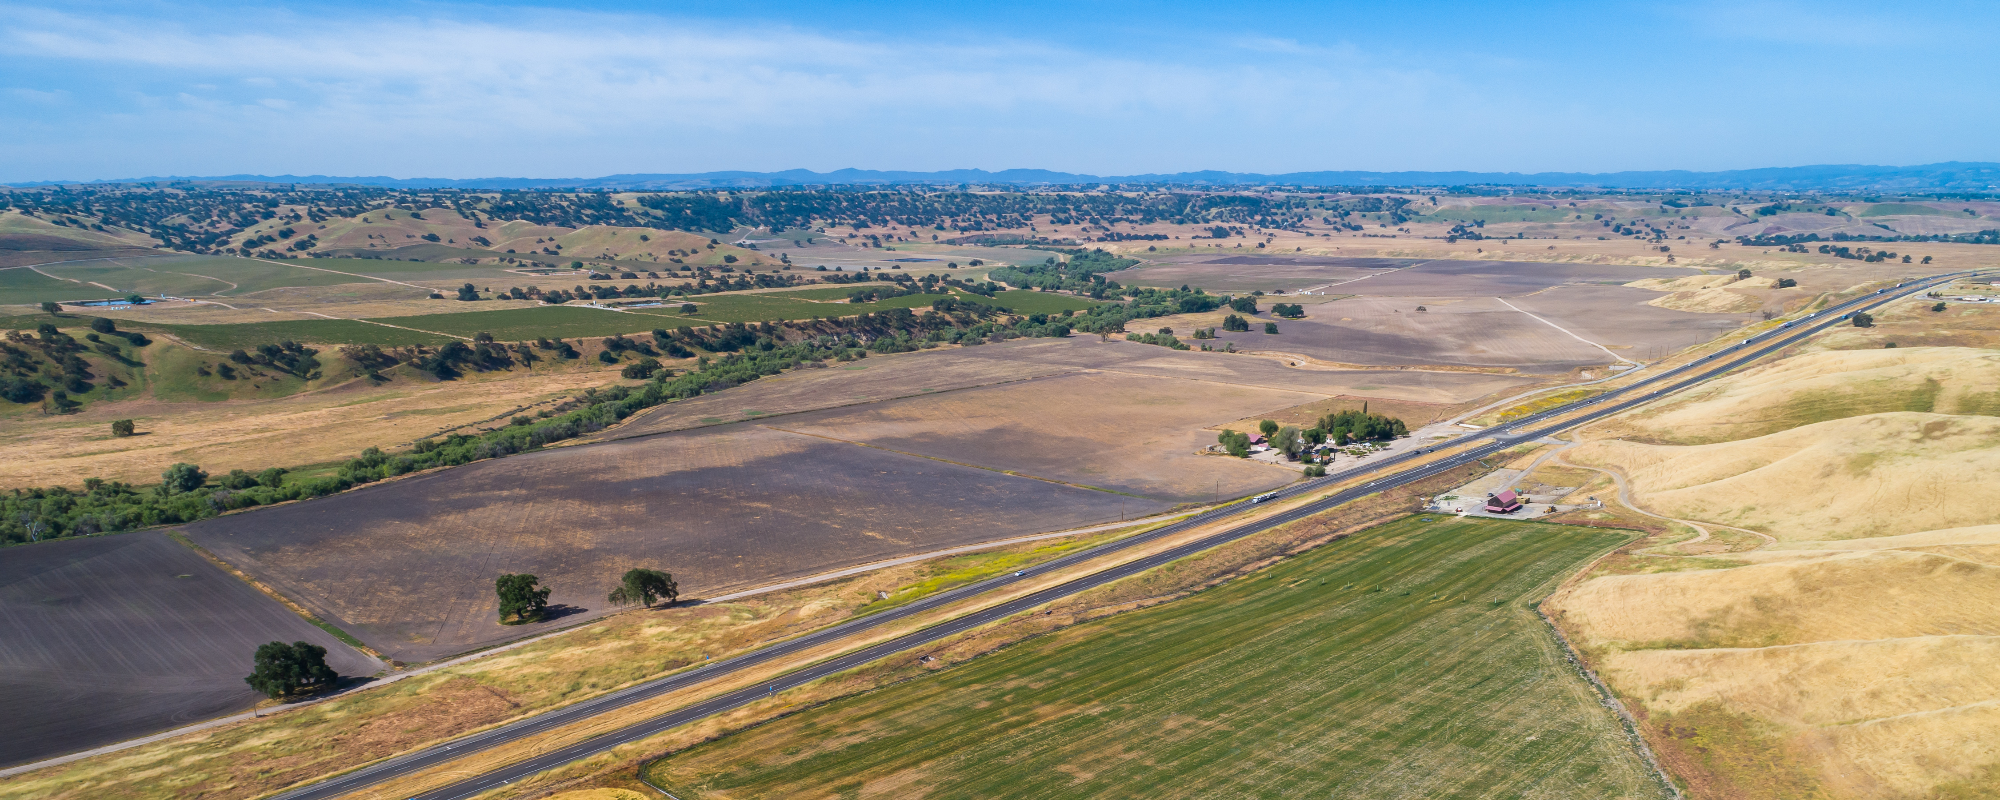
<point x="1503" y="503"/>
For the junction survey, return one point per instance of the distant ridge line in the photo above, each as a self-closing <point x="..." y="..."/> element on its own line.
<point x="1949" y="176"/>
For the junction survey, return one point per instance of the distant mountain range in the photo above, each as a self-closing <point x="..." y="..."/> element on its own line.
<point x="1950" y="176"/>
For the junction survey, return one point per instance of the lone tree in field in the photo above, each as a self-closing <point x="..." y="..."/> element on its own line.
<point x="121" y="427"/>
<point x="520" y="598"/>
<point x="1863" y="319"/>
<point x="643" y="586"/>
<point x="50" y="307"/>
<point x="1270" y="327"/>
<point x="1743" y="274"/>
<point x="288" y="669"/>
<point x="1267" y="427"/>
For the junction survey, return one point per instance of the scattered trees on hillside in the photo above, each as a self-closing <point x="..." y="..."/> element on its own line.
<point x="520" y="598"/>
<point x="643" y="586"/>
<point x="282" y="670"/>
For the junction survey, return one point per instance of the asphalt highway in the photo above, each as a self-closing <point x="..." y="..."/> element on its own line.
<point x="1484" y="443"/>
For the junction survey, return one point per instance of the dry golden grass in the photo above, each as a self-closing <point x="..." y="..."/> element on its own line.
<point x="1817" y="387"/>
<point x="1881" y="594"/>
<point x="331" y="422"/>
<point x="1872" y="475"/>
<point x="1851" y="659"/>
<point x="1709" y="301"/>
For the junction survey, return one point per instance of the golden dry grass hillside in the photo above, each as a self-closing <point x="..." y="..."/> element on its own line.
<point x="1818" y="387"/>
<point x="1871" y="475"/>
<point x="1850" y="658"/>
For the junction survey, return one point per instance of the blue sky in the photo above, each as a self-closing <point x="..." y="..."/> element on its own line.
<point x="99" y="90"/>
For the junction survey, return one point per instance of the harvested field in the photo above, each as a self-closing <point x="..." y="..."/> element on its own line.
<point x="1480" y="332"/>
<point x="1239" y="370"/>
<point x="1127" y="433"/>
<point x="409" y="566"/>
<point x="1489" y="332"/>
<point x="110" y="637"/>
<point x="1402" y="662"/>
<point x="1245" y="274"/>
<point x="869" y="380"/>
<point x="906" y="374"/>
<point x="1411" y="277"/>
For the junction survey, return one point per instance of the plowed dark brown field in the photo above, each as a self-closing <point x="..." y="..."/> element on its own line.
<point x="409" y="566"/>
<point x="109" y="637"/>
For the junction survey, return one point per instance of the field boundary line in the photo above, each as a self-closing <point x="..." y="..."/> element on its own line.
<point x="345" y="637"/>
<point x="1572" y="334"/>
<point x="1604" y="696"/>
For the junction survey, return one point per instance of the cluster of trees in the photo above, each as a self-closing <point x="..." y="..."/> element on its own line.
<point x="50" y="361"/>
<point x="1082" y="272"/>
<point x="1161" y="339"/>
<point x="1340" y="428"/>
<point x="1289" y="310"/>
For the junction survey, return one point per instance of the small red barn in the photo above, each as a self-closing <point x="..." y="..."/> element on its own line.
<point x="1503" y="503"/>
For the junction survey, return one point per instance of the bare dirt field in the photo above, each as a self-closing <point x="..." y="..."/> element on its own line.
<point x="881" y="378"/>
<point x="1384" y="277"/>
<point x="1532" y="333"/>
<point x="1271" y="373"/>
<point x="109" y="637"/>
<point x="1128" y="433"/>
<point x="409" y="566"/>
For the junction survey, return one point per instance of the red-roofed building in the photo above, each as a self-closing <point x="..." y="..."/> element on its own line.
<point x="1503" y="503"/>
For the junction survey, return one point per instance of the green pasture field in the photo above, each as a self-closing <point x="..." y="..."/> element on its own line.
<point x="23" y="286"/>
<point x="1405" y="661"/>
<point x="1028" y="301"/>
<point x="526" y="324"/>
<point x="198" y="275"/>
<point x="303" y="331"/>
